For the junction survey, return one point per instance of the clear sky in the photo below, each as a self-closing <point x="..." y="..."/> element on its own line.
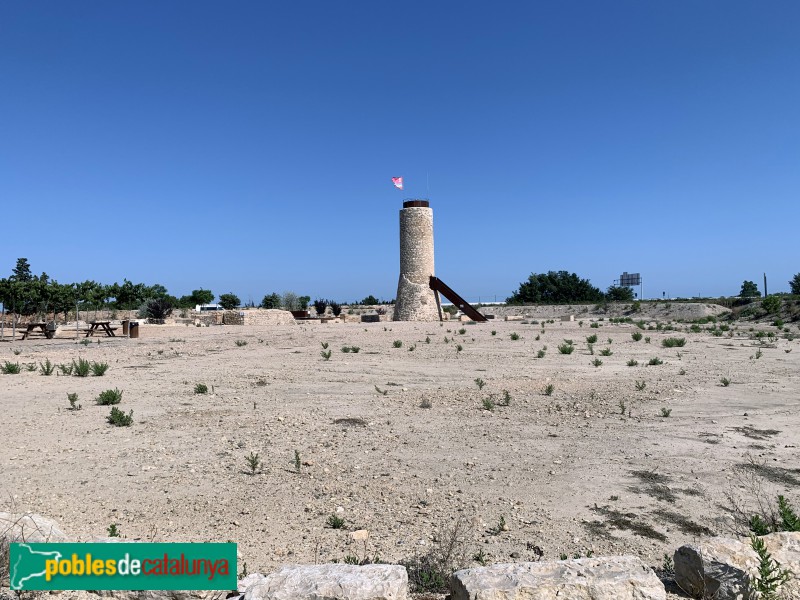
<point x="249" y="146"/>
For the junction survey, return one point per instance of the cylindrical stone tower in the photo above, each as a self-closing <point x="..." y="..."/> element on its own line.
<point x="416" y="301"/>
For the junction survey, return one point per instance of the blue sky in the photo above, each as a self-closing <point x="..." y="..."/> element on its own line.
<point x="249" y="146"/>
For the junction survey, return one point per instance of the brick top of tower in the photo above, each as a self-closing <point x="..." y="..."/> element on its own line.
<point x="412" y="203"/>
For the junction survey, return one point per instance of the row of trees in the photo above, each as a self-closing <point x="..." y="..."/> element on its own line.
<point x="562" y="287"/>
<point x="27" y="294"/>
<point x="750" y="289"/>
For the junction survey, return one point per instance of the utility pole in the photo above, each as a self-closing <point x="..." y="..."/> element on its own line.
<point x="765" y="285"/>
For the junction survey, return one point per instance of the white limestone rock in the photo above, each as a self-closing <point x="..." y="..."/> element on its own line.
<point x="611" y="578"/>
<point x="332" y="582"/>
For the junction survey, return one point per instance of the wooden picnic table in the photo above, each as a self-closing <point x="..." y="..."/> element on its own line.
<point x="104" y="326"/>
<point x="47" y="331"/>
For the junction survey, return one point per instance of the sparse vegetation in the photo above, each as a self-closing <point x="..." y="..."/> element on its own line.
<point x="47" y="368"/>
<point x="488" y="403"/>
<point x="99" y="369"/>
<point x="9" y="368"/>
<point x="606" y="352"/>
<point x="81" y="367"/>
<point x="335" y="522"/>
<point x="200" y="388"/>
<point x="597" y="362"/>
<point x="549" y="389"/>
<point x="665" y="412"/>
<point x="640" y="385"/>
<point x="397" y="344"/>
<point x="480" y="383"/>
<point x="566" y="348"/>
<point x="672" y="342"/>
<point x="632" y="362"/>
<point x="241" y="343"/>
<point x="253" y="461"/>
<point x="73" y="401"/>
<point x="514" y="336"/>
<point x="655" y="361"/>
<point x="725" y="382"/>
<point x="591" y="339"/>
<point x="119" y="419"/>
<point x="109" y="397"/>
<point x="326" y="354"/>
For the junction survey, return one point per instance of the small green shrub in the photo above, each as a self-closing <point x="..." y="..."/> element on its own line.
<point x="109" y="397"/>
<point x="480" y="383"/>
<point x="725" y="382"/>
<point x="591" y="339"/>
<point x="462" y="331"/>
<point x="594" y="325"/>
<point x="566" y="348"/>
<point x="326" y="354"/>
<point x="9" y="368"/>
<point x="119" y="419"/>
<point x="47" y="368"/>
<point x="640" y="385"/>
<point x="99" y="369"/>
<point x="73" y="401"/>
<point x="665" y="412"/>
<point x="253" y="461"/>
<point x="606" y="352"/>
<point x="672" y="342"/>
<point x="397" y="344"/>
<point x="30" y="367"/>
<point x="597" y="362"/>
<point x="632" y="362"/>
<point x="655" y="361"/>
<point x="494" y="332"/>
<point x="646" y="340"/>
<point x="540" y="354"/>
<point x="200" y="388"/>
<point x="65" y="369"/>
<point x="488" y="403"/>
<point x="514" y="336"/>
<point x="81" y="368"/>
<point x="636" y="335"/>
<point x="549" y="389"/>
<point x="766" y="584"/>
<point x="335" y="522"/>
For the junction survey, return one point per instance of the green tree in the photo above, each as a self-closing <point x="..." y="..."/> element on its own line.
<point x="229" y="301"/>
<point x="619" y="293"/>
<point x="272" y="300"/>
<point x="290" y="301"/>
<point x="749" y="290"/>
<point x="22" y="272"/>
<point x="794" y="284"/>
<point x="555" y="287"/>
<point x="202" y="296"/>
<point x="370" y="301"/>
<point x="304" y="300"/>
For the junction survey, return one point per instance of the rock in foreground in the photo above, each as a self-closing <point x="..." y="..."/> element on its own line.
<point x="332" y="582"/>
<point x="611" y="578"/>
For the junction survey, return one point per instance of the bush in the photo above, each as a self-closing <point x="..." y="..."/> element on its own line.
<point x="119" y="418"/>
<point x="592" y="339"/>
<point x="771" y="304"/>
<point x="155" y="308"/>
<point x="99" y="369"/>
<point x="555" y="287"/>
<point x="47" y="368"/>
<point x="636" y="335"/>
<point x="200" y="388"/>
<point x="672" y="342"/>
<point x="320" y="305"/>
<point x="81" y="368"/>
<point x="566" y="348"/>
<point x="109" y="397"/>
<point x="9" y="368"/>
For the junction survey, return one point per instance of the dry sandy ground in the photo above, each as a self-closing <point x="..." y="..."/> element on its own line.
<point x="568" y="473"/>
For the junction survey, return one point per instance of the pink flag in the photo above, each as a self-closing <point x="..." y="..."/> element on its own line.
<point x="398" y="182"/>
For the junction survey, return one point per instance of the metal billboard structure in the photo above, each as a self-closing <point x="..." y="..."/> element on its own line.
<point x="630" y="279"/>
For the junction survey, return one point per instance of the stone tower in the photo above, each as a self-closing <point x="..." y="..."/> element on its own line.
<point x="416" y="301"/>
